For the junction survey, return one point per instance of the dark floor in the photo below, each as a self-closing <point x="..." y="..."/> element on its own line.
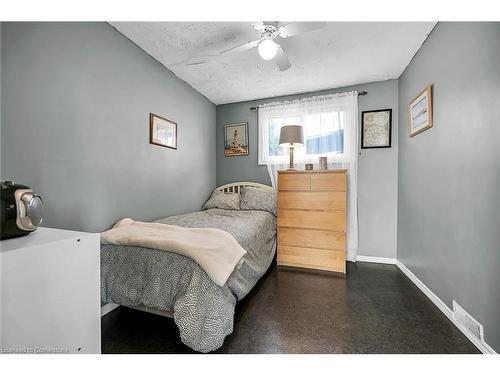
<point x="375" y="309"/>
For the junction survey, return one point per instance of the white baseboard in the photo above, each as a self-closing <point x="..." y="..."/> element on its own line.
<point x="369" y="259"/>
<point x="107" y="308"/>
<point x="481" y="345"/>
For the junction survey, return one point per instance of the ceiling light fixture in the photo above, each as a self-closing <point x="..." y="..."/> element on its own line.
<point x="267" y="49"/>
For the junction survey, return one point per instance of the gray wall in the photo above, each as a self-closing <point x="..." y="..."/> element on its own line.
<point x="449" y="175"/>
<point x="377" y="171"/>
<point x="75" y="126"/>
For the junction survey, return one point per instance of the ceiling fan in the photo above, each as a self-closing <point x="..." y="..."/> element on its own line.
<point x="268" y="49"/>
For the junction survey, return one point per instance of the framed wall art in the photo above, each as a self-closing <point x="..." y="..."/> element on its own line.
<point x="236" y="139"/>
<point x="162" y="132"/>
<point x="420" y="112"/>
<point x="376" y="128"/>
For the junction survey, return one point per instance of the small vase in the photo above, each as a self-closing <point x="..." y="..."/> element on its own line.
<point x="323" y="163"/>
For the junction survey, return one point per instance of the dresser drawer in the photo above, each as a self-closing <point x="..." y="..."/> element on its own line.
<point x="328" y="181"/>
<point x="319" y="239"/>
<point x="325" y="220"/>
<point x="294" y="181"/>
<point x="311" y="258"/>
<point x="306" y="200"/>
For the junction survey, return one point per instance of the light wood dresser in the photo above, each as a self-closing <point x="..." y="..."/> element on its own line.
<point x="312" y="219"/>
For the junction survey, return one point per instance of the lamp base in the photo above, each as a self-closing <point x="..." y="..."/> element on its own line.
<point x="290" y="166"/>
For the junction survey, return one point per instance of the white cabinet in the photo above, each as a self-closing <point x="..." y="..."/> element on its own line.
<point x="50" y="296"/>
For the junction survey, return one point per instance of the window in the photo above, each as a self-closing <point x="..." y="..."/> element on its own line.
<point x="323" y="132"/>
<point x="275" y="124"/>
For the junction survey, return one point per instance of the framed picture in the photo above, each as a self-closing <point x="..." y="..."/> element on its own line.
<point x="236" y="139"/>
<point x="162" y="132"/>
<point x="420" y="112"/>
<point x="376" y="128"/>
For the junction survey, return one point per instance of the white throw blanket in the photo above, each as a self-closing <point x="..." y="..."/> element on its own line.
<point x="215" y="250"/>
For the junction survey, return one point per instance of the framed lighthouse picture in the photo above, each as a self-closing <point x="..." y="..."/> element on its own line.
<point x="236" y="139"/>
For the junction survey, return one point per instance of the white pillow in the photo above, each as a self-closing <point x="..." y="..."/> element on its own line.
<point x="226" y="201"/>
<point x="254" y="198"/>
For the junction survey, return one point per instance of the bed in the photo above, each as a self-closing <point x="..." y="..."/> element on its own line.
<point x="173" y="285"/>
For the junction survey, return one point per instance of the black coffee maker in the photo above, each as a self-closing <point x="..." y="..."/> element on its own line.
<point x="21" y="210"/>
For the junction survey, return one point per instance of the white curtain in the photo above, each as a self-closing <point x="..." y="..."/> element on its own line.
<point x="318" y="115"/>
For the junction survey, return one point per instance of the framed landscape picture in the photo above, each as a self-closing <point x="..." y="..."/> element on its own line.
<point x="376" y="128"/>
<point x="236" y="139"/>
<point x="162" y="132"/>
<point x="420" y="112"/>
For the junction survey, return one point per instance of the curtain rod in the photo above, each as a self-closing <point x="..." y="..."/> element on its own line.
<point x="359" y="93"/>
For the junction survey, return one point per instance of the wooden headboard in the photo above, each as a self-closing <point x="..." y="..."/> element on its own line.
<point x="235" y="187"/>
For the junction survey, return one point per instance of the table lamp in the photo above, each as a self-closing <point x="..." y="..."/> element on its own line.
<point x="291" y="134"/>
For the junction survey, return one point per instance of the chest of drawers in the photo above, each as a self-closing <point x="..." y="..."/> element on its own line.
<point x="312" y="219"/>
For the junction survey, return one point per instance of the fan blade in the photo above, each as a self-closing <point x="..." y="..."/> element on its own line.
<point x="203" y="59"/>
<point x="282" y="60"/>
<point x="241" y="47"/>
<point x="295" y="28"/>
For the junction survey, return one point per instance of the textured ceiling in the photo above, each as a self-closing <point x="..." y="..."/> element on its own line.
<point x="341" y="54"/>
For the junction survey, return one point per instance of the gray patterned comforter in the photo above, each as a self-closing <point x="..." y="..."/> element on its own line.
<point x="204" y="312"/>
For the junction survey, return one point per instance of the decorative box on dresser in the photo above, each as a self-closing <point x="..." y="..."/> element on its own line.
<point x="312" y="219"/>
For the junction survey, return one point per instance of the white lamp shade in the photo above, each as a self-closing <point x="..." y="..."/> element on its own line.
<point x="292" y="134"/>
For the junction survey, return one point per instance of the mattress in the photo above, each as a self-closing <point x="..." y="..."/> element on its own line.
<point x="160" y="280"/>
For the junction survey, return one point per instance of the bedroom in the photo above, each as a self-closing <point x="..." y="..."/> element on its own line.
<point x="336" y="175"/>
